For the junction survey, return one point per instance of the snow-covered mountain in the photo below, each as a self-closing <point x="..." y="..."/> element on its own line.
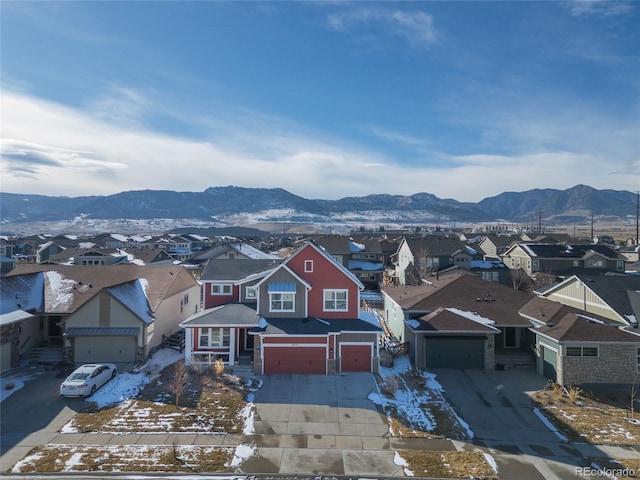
<point x="238" y="205"/>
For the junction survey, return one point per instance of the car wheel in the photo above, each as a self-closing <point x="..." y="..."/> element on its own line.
<point x="93" y="390"/>
<point x="113" y="375"/>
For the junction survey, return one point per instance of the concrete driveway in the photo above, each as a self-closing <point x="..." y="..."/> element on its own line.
<point x="34" y="415"/>
<point x="498" y="408"/>
<point x="323" y="425"/>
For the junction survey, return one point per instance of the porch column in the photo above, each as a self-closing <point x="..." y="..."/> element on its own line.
<point x="188" y="345"/>
<point x="232" y="346"/>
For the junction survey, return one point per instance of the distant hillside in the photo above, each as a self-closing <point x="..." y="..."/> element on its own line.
<point x="574" y="203"/>
<point x="235" y="205"/>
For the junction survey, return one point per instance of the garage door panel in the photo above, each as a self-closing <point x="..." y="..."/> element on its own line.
<point x="355" y="358"/>
<point x="455" y="352"/>
<point x="5" y="356"/>
<point x="549" y="361"/>
<point x="289" y="360"/>
<point x="104" y="349"/>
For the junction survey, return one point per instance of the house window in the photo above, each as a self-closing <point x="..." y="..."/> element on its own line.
<point x="281" y="302"/>
<point x="335" y="300"/>
<point x="214" y="337"/>
<point x="620" y="265"/>
<point x="308" y="266"/>
<point x="251" y="293"/>
<point x="582" y="351"/>
<point x="595" y="263"/>
<point x="221" y="289"/>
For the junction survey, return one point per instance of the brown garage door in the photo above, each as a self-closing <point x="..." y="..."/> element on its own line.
<point x="295" y="360"/>
<point x="355" y="358"/>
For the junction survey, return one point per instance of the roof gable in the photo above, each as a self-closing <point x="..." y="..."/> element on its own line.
<point x="328" y="258"/>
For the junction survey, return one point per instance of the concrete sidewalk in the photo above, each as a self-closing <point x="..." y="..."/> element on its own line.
<point x="357" y="455"/>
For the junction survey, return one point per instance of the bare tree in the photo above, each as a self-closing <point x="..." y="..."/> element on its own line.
<point x="634" y="395"/>
<point x="520" y="280"/>
<point x="178" y="380"/>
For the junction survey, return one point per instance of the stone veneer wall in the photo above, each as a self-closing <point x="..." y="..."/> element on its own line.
<point x="11" y="334"/>
<point x="257" y="358"/>
<point x="490" y="353"/>
<point x="615" y="364"/>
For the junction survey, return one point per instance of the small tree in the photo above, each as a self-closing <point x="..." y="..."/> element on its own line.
<point x="178" y="380"/>
<point x="634" y="395"/>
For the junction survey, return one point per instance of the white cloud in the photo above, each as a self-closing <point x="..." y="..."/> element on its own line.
<point x="51" y="149"/>
<point x="415" y="27"/>
<point x="603" y="8"/>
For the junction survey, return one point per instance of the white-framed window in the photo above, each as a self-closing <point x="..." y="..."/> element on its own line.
<point x="214" y="337"/>
<point x="336" y="300"/>
<point x="221" y="289"/>
<point x="308" y="266"/>
<point x="251" y="293"/>
<point x="282" y="301"/>
<point x="582" y="351"/>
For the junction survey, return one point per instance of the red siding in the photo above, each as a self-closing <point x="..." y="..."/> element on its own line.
<point x="211" y="301"/>
<point x="326" y="275"/>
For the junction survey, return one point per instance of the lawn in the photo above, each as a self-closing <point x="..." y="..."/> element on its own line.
<point x="602" y="417"/>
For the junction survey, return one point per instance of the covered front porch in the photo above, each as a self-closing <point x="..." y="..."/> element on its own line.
<point x="220" y="333"/>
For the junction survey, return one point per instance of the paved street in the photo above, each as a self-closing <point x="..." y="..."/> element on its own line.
<point x="326" y="426"/>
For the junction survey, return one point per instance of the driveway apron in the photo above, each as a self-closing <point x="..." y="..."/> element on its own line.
<point x="321" y="422"/>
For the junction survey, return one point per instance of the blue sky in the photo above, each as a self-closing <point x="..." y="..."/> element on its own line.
<point x="464" y="100"/>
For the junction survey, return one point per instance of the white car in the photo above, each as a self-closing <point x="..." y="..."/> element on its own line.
<point x="85" y="380"/>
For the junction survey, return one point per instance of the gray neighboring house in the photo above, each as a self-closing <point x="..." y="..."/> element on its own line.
<point x="458" y="320"/>
<point x="117" y="313"/>
<point x="582" y="349"/>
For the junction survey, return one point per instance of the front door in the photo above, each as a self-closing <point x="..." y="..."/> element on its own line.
<point x="510" y="339"/>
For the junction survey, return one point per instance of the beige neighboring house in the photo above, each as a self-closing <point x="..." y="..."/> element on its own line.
<point x="117" y="313"/>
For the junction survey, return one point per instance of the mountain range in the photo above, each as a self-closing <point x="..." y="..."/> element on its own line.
<point x="235" y="205"/>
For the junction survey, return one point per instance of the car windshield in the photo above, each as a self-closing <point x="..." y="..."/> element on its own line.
<point x="77" y="377"/>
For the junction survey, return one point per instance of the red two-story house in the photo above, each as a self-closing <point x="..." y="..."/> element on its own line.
<point x="304" y="318"/>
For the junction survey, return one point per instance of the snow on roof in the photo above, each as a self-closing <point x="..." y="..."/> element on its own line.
<point x="364" y="265"/>
<point x="413" y="323"/>
<point x="369" y="318"/>
<point x="22" y="292"/>
<point x="58" y="291"/>
<point x="355" y="246"/>
<point x="526" y="248"/>
<point x="470" y="250"/>
<point x="133" y="296"/>
<point x="487" y="264"/>
<point x="252" y="252"/>
<point x="472" y="316"/>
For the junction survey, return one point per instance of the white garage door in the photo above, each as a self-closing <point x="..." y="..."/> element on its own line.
<point x="104" y="349"/>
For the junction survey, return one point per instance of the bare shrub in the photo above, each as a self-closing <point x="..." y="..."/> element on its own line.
<point x="556" y="389"/>
<point x="218" y="367"/>
<point x="390" y="385"/>
<point x="573" y="393"/>
<point x="10" y="386"/>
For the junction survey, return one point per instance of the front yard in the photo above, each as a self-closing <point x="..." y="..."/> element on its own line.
<point x="590" y="417"/>
<point x="216" y="403"/>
